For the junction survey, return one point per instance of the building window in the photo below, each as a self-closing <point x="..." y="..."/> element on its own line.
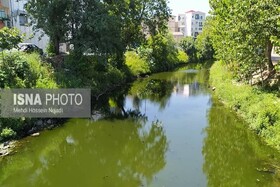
<point x="3" y="14"/>
<point x="197" y="16"/>
<point x="201" y="17"/>
<point x="179" y="18"/>
<point x="23" y="20"/>
<point x="200" y="24"/>
<point x="192" y="23"/>
<point x="200" y="29"/>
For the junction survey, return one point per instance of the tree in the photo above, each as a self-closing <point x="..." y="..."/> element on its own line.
<point x="188" y="46"/>
<point x="106" y="28"/>
<point x="9" y="38"/>
<point x="160" y="51"/>
<point x="244" y="32"/>
<point x="110" y="27"/>
<point x="51" y="17"/>
<point x="204" y="44"/>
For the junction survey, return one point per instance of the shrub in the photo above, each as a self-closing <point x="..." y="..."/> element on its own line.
<point x="21" y="70"/>
<point x="7" y="133"/>
<point x="50" y="49"/>
<point x="43" y="72"/>
<point x="182" y="57"/>
<point x="91" y="72"/>
<point x="136" y="64"/>
<point x="187" y="44"/>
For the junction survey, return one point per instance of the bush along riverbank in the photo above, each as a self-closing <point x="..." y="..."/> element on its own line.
<point x="99" y="73"/>
<point x="261" y="110"/>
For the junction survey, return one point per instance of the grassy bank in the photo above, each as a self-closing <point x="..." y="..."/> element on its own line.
<point x="259" y="109"/>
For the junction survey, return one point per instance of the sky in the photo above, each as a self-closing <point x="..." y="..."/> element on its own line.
<point x="181" y="6"/>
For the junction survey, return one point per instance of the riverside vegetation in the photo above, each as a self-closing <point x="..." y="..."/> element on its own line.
<point x="243" y="34"/>
<point x="106" y="53"/>
<point x="117" y="51"/>
<point x="115" y="43"/>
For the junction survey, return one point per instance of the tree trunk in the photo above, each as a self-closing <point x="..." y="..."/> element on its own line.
<point x="119" y="59"/>
<point x="56" y="45"/>
<point x="269" y="47"/>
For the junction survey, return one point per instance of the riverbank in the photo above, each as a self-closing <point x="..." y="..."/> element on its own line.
<point x="261" y="110"/>
<point x="60" y="72"/>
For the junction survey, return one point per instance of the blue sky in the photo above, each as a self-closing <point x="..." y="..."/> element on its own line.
<point x="181" y="6"/>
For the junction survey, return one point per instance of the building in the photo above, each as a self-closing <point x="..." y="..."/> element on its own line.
<point x="4" y="13"/>
<point x="181" y="23"/>
<point x="172" y="24"/>
<point x="189" y="23"/>
<point x="19" y="19"/>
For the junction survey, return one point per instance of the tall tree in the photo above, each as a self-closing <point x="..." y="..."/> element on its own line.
<point x="106" y="27"/>
<point x="245" y="31"/>
<point x="203" y="42"/>
<point x="188" y="46"/>
<point x="50" y="16"/>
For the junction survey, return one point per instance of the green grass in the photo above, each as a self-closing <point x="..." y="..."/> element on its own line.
<point x="261" y="110"/>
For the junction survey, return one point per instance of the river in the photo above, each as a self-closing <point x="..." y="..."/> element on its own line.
<point x="162" y="131"/>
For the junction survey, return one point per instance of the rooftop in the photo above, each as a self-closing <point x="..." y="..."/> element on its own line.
<point x="193" y="11"/>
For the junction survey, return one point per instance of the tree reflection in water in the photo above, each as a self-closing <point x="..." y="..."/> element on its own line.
<point x="117" y="148"/>
<point x="103" y="153"/>
<point x="233" y="155"/>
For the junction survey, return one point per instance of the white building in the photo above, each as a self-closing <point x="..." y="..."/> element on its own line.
<point x="191" y="23"/>
<point x="19" y="19"/>
<point x="172" y="24"/>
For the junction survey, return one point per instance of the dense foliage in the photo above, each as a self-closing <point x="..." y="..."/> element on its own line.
<point x="87" y="72"/>
<point x="9" y="38"/>
<point x="187" y="44"/>
<point x="199" y="49"/>
<point x="21" y="70"/>
<point x="137" y="64"/>
<point x="244" y="33"/>
<point x="103" y="27"/>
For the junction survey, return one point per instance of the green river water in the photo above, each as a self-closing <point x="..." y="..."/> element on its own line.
<point x="162" y="131"/>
